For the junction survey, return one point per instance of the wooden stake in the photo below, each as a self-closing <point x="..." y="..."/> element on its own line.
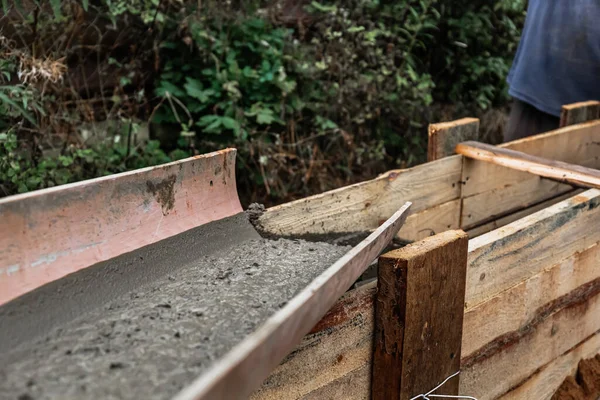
<point x="555" y="170"/>
<point x="419" y="317"/>
<point x="444" y="137"/>
<point x="577" y="113"/>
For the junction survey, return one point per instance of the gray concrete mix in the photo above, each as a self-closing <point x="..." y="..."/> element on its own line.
<point x="154" y="336"/>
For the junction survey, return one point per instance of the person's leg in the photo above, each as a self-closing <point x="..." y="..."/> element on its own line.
<point x="525" y="120"/>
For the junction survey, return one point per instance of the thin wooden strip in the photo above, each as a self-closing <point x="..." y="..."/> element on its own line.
<point x="487" y="327"/>
<point x="500" y="222"/>
<point x="418" y="325"/>
<point x="577" y="144"/>
<point x="532" y="243"/>
<point x="577" y="113"/>
<point x="574" y="319"/>
<point x="244" y="368"/>
<point x="50" y="233"/>
<point x="552" y="169"/>
<point x="363" y="206"/>
<point x="443" y="137"/>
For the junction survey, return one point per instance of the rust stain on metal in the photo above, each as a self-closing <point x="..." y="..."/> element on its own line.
<point x="164" y="192"/>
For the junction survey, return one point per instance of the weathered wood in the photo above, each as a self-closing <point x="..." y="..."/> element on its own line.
<point x="245" y="367"/>
<point x="50" y="233"/>
<point x="577" y="144"/>
<point x="577" y="113"/>
<point x="491" y="325"/>
<point x="500" y="222"/>
<point x="558" y="252"/>
<point x="444" y="137"/>
<point x="363" y="206"/>
<point x="552" y="169"/>
<point x="544" y="382"/>
<point x="418" y="317"/>
<point x="337" y="349"/>
<point x="489" y="191"/>
<point x="563" y="325"/>
<point x="500" y="202"/>
<point x="585" y="385"/>
<point x="533" y="243"/>
<point x="431" y="221"/>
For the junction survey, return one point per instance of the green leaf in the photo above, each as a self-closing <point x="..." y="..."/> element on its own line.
<point x="323" y="8"/>
<point x="22" y="111"/>
<point x="167" y="87"/>
<point x="193" y="88"/>
<point x="85" y="4"/>
<point x="230" y="123"/>
<point x="56" y="7"/>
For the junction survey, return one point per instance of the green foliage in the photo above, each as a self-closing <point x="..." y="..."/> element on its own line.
<point x="312" y="97"/>
<point x="239" y="84"/>
<point x="19" y="173"/>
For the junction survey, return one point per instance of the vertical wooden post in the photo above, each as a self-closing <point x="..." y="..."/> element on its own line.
<point x="577" y="113"/>
<point x="444" y="137"/>
<point x="419" y="317"/>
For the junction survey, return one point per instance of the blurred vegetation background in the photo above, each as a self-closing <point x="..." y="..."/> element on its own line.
<point x="313" y="94"/>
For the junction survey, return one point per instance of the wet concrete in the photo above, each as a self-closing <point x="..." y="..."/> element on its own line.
<point x="148" y="324"/>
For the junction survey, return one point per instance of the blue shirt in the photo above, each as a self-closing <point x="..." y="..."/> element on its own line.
<point x="558" y="58"/>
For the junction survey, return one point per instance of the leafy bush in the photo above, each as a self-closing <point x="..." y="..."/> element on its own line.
<point x="19" y="174"/>
<point x="314" y="94"/>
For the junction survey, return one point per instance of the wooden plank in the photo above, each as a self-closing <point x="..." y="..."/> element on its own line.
<point x="577" y="113"/>
<point x="418" y="317"/>
<point x="577" y="144"/>
<point x="500" y="222"/>
<point x="544" y="382"/>
<point x="507" y="200"/>
<point x="443" y="137"/>
<point x="532" y="243"/>
<point x="244" y="368"/>
<point x="489" y="325"/>
<point x="552" y="169"/>
<point x="363" y="206"/>
<point x="48" y="234"/>
<point x="334" y="352"/>
<point x="566" y="323"/>
<point x="555" y="249"/>
<point x="431" y="221"/>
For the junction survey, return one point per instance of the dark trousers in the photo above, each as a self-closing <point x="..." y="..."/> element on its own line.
<point x="526" y="120"/>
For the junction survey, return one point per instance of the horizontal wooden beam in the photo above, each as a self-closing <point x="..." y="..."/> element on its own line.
<point x="555" y="170"/>
<point x="533" y="243"/>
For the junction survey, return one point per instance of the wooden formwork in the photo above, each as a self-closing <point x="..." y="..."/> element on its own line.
<point x="532" y="299"/>
<point x="524" y="290"/>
